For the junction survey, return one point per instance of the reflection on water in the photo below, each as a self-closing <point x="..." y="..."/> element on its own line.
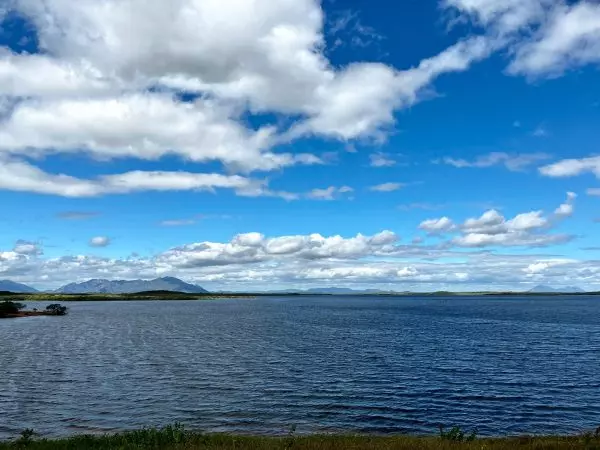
<point x="324" y="364"/>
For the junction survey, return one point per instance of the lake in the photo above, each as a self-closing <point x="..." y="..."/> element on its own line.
<point x="505" y="365"/>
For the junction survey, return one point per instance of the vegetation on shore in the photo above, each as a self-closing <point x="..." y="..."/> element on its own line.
<point x="148" y="295"/>
<point x="10" y="309"/>
<point x="176" y="437"/>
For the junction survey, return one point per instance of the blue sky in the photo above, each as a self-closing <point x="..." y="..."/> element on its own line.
<point x="413" y="145"/>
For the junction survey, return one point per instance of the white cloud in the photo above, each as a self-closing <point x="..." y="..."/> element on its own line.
<point x="380" y="159"/>
<point x="99" y="241"/>
<point x="513" y="162"/>
<point x="526" y="229"/>
<point x="253" y="261"/>
<point x="511" y="239"/>
<point x="572" y="167"/>
<point x="145" y="126"/>
<point x="20" y="176"/>
<point x="544" y="37"/>
<point x="527" y="221"/>
<point x="267" y="55"/>
<point x="330" y="193"/>
<point x="566" y="209"/>
<point x="387" y="187"/>
<point x="536" y="268"/>
<point x="504" y="16"/>
<point x="493" y="229"/>
<point x="23" y="247"/>
<point x="593" y="192"/>
<point x="490" y="222"/>
<point x="541" y="267"/>
<point x="570" y="38"/>
<point x="437" y="226"/>
<point x="20" y="77"/>
<point x="255" y="247"/>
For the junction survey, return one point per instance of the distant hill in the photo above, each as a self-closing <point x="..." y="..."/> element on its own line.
<point x="17" y="288"/>
<point x="542" y="289"/>
<point x="332" y="291"/>
<point x="100" y="286"/>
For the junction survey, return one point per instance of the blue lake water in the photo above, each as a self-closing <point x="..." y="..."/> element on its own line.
<point x="325" y="364"/>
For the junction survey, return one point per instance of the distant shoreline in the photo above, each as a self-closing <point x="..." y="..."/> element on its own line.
<point x="169" y="296"/>
<point x="28" y="314"/>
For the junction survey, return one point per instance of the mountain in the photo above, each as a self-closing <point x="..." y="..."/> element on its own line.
<point x="542" y="289"/>
<point x="18" y="288"/>
<point x="98" y="286"/>
<point x="332" y="291"/>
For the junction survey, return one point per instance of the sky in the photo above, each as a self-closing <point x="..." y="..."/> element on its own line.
<point x="268" y="144"/>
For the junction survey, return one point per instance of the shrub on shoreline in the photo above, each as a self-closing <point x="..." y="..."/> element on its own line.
<point x="7" y="308"/>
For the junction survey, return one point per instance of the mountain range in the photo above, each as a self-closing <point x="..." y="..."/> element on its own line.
<point x="100" y="286"/>
<point x="11" y="286"/>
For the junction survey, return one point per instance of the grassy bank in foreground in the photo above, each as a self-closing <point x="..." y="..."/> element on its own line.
<point x="175" y="437"/>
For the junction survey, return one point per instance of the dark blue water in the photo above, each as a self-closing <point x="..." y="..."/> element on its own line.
<point x="372" y="365"/>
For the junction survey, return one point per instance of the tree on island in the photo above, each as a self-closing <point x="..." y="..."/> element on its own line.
<point x="10" y="308"/>
<point x="56" y="309"/>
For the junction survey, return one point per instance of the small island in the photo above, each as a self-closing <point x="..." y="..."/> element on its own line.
<point x="10" y="310"/>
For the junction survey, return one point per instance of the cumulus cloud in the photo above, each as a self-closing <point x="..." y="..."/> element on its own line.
<point x="535" y="268"/>
<point x="503" y="16"/>
<point x="525" y="229"/>
<point x="255" y="247"/>
<point x="23" y="247"/>
<point x="437" y="226"/>
<point x="513" y="162"/>
<point x="544" y="37"/>
<point x="99" y="241"/>
<point x="20" y="77"/>
<point x="113" y="69"/>
<point x="144" y="126"/>
<point x="569" y="38"/>
<point x="253" y="261"/>
<point x="267" y="57"/>
<point x="566" y="209"/>
<point x="572" y="167"/>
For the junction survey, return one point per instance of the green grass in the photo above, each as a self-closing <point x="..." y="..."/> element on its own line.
<point x="175" y="437"/>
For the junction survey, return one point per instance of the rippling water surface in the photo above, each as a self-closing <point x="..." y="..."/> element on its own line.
<point x="324" y="364"/>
